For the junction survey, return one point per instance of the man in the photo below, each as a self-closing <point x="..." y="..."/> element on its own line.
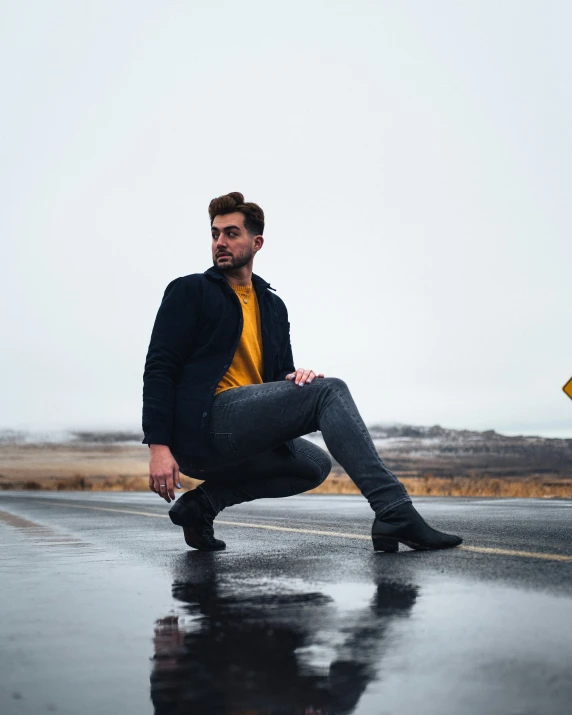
<point x="223" y="402"/>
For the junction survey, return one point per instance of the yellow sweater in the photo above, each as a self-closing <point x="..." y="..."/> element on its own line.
<point x="246" y="366"/>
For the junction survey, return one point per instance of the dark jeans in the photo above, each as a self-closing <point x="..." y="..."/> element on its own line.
<point x="246" y="423"/>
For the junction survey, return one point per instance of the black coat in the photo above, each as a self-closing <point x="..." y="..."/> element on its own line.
<point x="196" y="333"/>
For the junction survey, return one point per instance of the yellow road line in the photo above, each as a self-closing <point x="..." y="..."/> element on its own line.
<point x="340" y="534"/>
<point x="512" y="552"/>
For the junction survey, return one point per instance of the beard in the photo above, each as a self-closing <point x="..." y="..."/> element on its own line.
<point x="233" y="262"/>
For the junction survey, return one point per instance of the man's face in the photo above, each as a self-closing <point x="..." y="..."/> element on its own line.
<point x="232" y="246"/>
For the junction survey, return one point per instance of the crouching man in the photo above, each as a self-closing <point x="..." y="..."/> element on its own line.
<point x="224" y="403"/>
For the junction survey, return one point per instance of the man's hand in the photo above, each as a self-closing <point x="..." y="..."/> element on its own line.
<point x="302" y="376"/>
<point x="163" y="472"/>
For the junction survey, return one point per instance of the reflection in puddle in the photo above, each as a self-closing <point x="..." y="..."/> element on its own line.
<point x="246" y="647"/>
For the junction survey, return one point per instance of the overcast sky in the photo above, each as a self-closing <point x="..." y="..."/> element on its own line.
<point x="413" y="159"/>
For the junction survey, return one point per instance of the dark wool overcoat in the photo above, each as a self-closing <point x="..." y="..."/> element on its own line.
<point x="195" y="335"/>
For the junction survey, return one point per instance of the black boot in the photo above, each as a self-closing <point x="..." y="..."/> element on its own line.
<point x="405" y="524"/>
<point x="194" y="512"/>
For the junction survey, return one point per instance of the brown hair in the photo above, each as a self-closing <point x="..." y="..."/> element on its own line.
<point x="229" y="203"/>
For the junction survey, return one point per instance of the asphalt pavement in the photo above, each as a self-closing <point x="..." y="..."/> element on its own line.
<point x="103" y="608"/>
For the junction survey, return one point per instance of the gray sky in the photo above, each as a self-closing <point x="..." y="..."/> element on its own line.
<point x="413" y="160"/>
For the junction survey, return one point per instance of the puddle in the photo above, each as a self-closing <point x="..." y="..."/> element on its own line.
<point x="291" y="646"/>
<point x="88" y="629"/>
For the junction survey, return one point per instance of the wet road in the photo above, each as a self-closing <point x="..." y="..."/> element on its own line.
<point x="103" y="609"/>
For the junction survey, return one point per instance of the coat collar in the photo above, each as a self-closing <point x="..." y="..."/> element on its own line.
<point x="215" y="274"/>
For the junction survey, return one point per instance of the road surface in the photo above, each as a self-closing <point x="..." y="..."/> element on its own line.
<point x="104" y="609"/>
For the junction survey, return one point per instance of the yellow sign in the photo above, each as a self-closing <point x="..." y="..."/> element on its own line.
<point x="568" y="388"/>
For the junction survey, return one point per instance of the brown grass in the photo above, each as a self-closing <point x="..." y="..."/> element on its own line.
<point x="125" y="468"/>
<point x="462" y="487"/>
<point x="335" y="484"/>
<point x="79" y="483"/>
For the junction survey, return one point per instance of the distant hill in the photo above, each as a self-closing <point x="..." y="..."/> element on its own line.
<point x="410" y="450"/>
<point x="418" y="450"/>
<point x="70" y="436"/>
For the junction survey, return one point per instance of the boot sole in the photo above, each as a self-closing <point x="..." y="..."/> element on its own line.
<point x="390" y="545"/>
<point x="193" y="540"/>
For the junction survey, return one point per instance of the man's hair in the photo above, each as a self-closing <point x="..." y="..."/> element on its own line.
<point x="229" y="203"/>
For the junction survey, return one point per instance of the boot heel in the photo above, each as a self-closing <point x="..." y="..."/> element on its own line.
<point x="385" y="543"/>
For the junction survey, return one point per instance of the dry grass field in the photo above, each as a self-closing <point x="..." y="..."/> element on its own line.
<point x="120" y="467"/>
<point x="525" y="487"/>
<point x="85" y="467"/>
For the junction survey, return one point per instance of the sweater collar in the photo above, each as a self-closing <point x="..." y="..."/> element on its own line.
<point x="215" y="274"/>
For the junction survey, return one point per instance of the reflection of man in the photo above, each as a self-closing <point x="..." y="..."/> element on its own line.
<point x="222" y="400"/>
<point x="241" y="653"/>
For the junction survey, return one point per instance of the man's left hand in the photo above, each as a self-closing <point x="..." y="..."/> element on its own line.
<point x="301" y="376"/>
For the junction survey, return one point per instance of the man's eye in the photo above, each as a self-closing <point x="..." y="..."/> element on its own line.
<point x="231" y="233"/>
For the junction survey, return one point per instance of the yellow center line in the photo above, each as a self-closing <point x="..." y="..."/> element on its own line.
<point x="248" y="525"/>
<point x="340" y="534"/>
<point x="514" y="552"/>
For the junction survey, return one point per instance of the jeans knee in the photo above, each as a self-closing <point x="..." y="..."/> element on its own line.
<point x="315" y="462"/>
<point x="336" y="382"/>
<point x="325" y="464"/>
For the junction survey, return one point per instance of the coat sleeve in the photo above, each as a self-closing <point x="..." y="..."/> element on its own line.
<point x="171" y="342"/>
<point x="288" y="361"/>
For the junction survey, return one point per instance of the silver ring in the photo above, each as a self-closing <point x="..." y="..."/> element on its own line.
<point x="162" y="485"/>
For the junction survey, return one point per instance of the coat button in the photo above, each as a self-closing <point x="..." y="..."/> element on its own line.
<point x="225" y="366"/>
<point x="204" y="414"/>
